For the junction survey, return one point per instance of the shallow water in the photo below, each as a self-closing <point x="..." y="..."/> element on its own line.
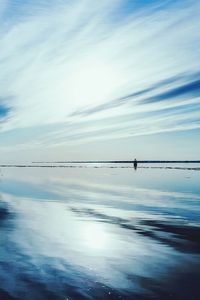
<point x="99" y="233"/>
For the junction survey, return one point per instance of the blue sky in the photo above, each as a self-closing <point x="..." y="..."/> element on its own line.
<point x="99" y="79"/>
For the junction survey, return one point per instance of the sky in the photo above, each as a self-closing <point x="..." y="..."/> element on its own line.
<point x="88" y="79"/>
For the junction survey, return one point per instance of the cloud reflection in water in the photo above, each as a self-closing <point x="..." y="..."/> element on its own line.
<point x="94" y="238"/>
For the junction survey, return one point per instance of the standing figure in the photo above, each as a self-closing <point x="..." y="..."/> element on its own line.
<point x="135" y="164"/>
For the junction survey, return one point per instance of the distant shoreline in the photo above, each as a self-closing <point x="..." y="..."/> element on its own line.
<point x="82" y="166"/>
<point x="105" y="163"/>
<point x="119" y="162"/>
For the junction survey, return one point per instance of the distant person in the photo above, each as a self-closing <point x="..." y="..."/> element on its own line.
<point x="135" y="164"/>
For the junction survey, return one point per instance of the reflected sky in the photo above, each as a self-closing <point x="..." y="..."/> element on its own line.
<point x="99" y="234"/>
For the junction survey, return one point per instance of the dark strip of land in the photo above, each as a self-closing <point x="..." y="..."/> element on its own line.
<point x="98" y="167"/>
<point x="120" y="162"/>
<point x="74" y="164"/>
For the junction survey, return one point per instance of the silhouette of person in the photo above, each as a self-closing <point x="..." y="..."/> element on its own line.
<point x="135" y="164"/>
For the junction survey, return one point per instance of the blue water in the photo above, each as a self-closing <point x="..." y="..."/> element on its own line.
<point x="99" y="233"/>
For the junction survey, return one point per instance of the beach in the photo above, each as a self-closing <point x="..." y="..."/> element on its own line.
<point x="99" y="233"/>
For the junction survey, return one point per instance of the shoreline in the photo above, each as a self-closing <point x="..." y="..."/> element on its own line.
<point x="98" y="167"/>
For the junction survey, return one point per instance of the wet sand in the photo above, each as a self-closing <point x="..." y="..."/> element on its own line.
<point x="106" y="233"/>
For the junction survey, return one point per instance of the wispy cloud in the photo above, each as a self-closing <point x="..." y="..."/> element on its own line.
<point x="74" y="71"/>
<point x="3" y="111"/>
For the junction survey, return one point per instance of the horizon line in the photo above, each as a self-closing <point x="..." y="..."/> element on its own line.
<point x="115" y="161"/>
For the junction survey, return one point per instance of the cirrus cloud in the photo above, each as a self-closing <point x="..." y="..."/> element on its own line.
<point x="75" y="71"/>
